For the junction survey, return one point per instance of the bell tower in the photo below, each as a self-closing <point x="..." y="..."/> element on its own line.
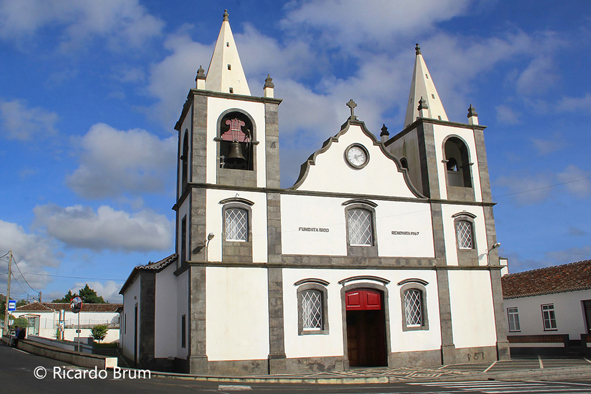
<point x="228" y="167"/>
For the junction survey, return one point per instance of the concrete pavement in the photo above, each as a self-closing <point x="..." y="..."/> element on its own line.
<point x="516" y="369"/>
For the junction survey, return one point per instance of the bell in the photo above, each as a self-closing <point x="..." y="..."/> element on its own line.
<point x="235" y="153"/>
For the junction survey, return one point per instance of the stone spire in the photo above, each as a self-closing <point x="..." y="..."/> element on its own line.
<point x="225" y="73"/>
<point x="422" y="86"/>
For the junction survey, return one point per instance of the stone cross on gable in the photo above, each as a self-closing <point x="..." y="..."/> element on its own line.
<point x="352" y="105"/>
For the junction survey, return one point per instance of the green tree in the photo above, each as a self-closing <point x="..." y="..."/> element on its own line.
<point x="99" y="332"/>
<point x="87" y="294"/>
<point x="66" y="299"/>
<point x="22" y="322"/>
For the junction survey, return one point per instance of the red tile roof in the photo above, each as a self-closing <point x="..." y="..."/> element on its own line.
<point x="54" y="306"/>
<point x="549" y="280"/>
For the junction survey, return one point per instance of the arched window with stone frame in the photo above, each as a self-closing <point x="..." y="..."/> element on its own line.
<point x="312" y="306"/>
<point x="465" y="228"/>
<point x="361" y="228"/>
<point x="457" y="162"/>
<point x="237" y="230"/>
<point x="413" y="296"/>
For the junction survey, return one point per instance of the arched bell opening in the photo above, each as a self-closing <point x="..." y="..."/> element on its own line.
<point x="236" y="141"/>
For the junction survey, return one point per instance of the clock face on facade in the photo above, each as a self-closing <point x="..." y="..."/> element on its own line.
<point x="357" y="156"/>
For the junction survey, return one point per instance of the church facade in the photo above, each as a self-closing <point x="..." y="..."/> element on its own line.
<point x="383" y="253"/>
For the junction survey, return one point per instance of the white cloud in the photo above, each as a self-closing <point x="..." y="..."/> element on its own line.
<point x="123" y="23"/>
<point x="21" y="122"/>
<point x="114" y="162"/>
<point x="105" y="229"/>
<point x="506" y="115"/>
<point x="32" y="253"/>
<point x="545" y="147"/>
<point x="576" y="181"/>
<point x="538" y="77"/>
<point x="352" y="24"/>
<point x="109" y="290"/>
<point x="170" y="80"/>
<point x="575" y="104"/>
<point x="533" y="189"/>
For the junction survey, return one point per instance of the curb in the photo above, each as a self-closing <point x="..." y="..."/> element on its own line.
<point x="530" y="374"/>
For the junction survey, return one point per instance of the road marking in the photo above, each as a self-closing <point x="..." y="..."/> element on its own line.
<point x="541" y="363"/>
<point x="587" y="360"/>
<point x="230" y="387"/>
<point x="504" y="387"/>
<point x="22" y="351"/>
<point x="489" y="367"/>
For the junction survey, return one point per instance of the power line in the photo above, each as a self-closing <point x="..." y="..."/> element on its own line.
<point x="544" y="187"/>
<point x="76" y="277"/>
<point x="22" y="276"/>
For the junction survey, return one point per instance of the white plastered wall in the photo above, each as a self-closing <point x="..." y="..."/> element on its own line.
<point x="215" y="107"/>
<point x="472" y="309"/>
<point x="214" y="223"/>
<point x="332" y="344"/>
<point x="467" y="135"/>
<point x="330" y="169"/>
<point x="312" y="225"/>
<point x="166" y="319"/>
<point x="479" y="236"/>
<point x="568" y="308"/>
<point x="237" y="325"/>
<point x="130" y="299"/>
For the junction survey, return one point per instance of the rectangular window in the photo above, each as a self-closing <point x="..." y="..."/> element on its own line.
<point x="184" y="331"/>
<point x="312" y="310"/>
<point x="549" y="317"/>
<point x="513" y="319"/>
<point x="360" y="227"/>
<point x="236" y="225"/>
<point x="413" y="308"/>
<point x="464" y="234"/>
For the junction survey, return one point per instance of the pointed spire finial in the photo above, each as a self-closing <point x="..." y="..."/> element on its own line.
<point x="352" y="105"/>
<point x="471" y="111"/>
<point x="384" y="131"/>
<point x="226" y="16"/>
<point x="418" y="49"/>
<point x="269" y="82"/>
<point x="200" y="73"/>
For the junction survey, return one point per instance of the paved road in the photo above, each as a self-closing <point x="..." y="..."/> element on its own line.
<point x="18" y="371"/>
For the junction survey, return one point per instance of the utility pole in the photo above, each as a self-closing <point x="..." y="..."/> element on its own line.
<point x="6" y="330"/>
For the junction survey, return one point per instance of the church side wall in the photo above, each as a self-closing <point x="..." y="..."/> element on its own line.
<point x="237" y="313"/>
<point x="182" y="308"/>
<point x="130" y="300"/>
<point x="166" y="313"/>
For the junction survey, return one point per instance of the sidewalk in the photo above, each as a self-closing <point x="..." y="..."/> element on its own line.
<point x="517" y="369"/>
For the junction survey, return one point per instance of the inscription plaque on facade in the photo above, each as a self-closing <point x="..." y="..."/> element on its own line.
<point x="314" y="229"/>
<point x="405" y="233"/>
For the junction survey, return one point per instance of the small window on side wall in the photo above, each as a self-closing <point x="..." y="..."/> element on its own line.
<point x="236" y="220"/>
<point x="464" y="234"/>
<point x="513" y="319"/>
<point x="312" y="309"/>
<point x="414" y="310"/>
<point x="549" y="317"/>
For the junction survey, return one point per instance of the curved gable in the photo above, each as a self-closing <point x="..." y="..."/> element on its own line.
<point x="327" y="170"/>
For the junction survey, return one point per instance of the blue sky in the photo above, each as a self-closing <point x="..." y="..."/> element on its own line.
<point x="90" y="92"/>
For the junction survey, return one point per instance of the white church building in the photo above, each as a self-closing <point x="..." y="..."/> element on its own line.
<point x="383" y="253"/>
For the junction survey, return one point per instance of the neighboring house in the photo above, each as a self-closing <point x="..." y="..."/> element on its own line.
<point x="57" y="321"/>
<point x="381" y="254"/>
<point x="548" y="307"/>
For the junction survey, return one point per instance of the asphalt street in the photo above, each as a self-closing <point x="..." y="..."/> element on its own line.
<point x="25" y="373"/>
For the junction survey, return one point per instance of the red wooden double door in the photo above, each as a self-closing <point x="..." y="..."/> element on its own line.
<point x="366" y="328"/>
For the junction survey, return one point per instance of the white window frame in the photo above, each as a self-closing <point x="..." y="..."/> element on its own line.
<point x="320" y="290"/>
<point x="230" y="232"/>
<point x="549" y="317"/>
<point x="468" y="224"/>
<point x="513" y="319"/>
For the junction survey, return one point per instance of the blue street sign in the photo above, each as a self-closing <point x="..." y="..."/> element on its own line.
<point x="11" y="305"/>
